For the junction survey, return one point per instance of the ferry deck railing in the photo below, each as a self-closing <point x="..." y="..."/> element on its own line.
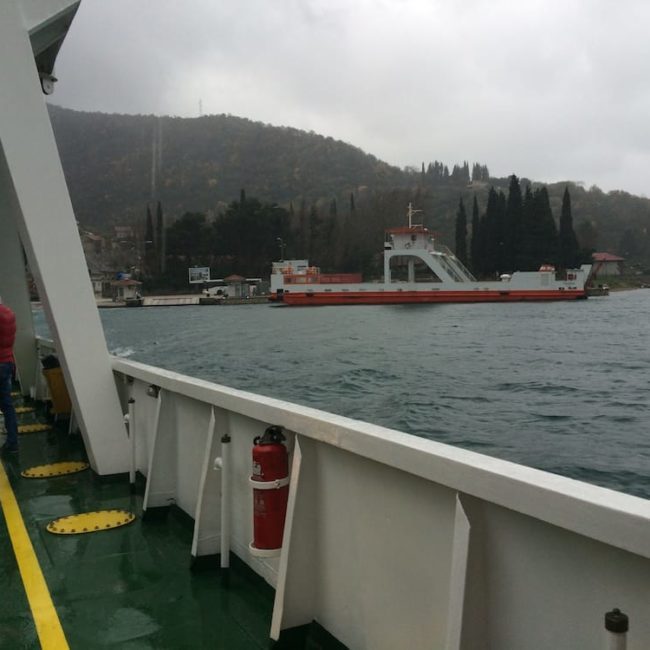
<point x="392" y="540"/>
<point x="454" y="266"/>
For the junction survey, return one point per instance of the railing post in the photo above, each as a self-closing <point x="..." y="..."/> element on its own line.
<point x="616" y="626"/>
<point x="225" y="501"/>
<point x="131" y="432"/>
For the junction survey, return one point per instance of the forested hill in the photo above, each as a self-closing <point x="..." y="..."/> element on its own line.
<point x="202" y="163"/>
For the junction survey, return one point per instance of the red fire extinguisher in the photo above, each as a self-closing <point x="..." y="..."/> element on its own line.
<point x="270" y="483"/>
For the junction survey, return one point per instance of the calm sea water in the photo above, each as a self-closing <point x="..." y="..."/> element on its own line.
<point x="557" y="386"/>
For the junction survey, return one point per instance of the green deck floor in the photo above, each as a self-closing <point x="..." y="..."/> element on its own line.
<point x="128" y="588"/>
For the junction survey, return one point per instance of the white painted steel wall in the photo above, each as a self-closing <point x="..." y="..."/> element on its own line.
<point x="35" y="199"/>
<point x="394" y="541"/>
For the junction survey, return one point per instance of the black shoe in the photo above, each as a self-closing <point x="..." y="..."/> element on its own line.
<point x="9" y="449"/>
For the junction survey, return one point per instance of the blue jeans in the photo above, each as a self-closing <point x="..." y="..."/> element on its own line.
<point x="7" y="404"/>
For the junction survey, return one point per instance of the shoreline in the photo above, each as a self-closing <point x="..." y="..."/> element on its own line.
<point x="181" y="300"/>
<point x="178" y="300"/>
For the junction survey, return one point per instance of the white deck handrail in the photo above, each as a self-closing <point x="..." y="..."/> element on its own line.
<point x="612" y="517"/>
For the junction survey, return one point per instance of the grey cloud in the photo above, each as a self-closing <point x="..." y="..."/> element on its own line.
<point x="548" y="90"/>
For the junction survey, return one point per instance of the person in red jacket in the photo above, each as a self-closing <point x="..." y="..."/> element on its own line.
<point x="7" y="368"/>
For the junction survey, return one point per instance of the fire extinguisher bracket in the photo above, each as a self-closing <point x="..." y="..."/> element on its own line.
<point x="263" y="552"/>
<point x="269" y="485"/>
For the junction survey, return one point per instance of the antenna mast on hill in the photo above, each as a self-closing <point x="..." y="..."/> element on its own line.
<point x="156" y="157"/>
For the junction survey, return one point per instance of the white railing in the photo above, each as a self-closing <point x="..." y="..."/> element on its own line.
<point x="394" y="541"/>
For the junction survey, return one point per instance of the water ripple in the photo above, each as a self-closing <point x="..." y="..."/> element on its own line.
<point x="561" y="387"/>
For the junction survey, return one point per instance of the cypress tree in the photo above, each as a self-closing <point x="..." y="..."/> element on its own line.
<point x="568" y="250"/>
<point x="500" y="228"/>
<point x="539" y="237"/>
<point x="148" y="233"/>
<point x="525" y="244"/>
<point x="303" y="229"/>
<point x="461" y="233"/>
<point x="490" y="234"/>
<point x="547" y="247"/>
<point x="315" y="235"/>
<point x="480" y="173"/>
<point x="476" y="241"/>
<point x="513" y="225"/>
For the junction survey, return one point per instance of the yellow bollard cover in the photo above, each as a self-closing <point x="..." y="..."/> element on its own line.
<point x="33" y="428"/>
<point x="55" y="469"/>
<point x="90" y="522"/>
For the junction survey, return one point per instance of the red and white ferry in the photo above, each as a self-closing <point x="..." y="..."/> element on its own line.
<point x="418" y="270"/>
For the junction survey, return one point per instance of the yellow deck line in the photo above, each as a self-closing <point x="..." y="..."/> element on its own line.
<point x="48" y="626"/>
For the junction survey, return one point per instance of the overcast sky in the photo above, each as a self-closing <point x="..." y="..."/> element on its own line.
<point x="550" y="90"/>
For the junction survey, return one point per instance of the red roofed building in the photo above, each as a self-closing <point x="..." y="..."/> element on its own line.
<point x="606" y="264"/>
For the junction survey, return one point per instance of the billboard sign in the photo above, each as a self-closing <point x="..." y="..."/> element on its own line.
<point x="199" y="274"/>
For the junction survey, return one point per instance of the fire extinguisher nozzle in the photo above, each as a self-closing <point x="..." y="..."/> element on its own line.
<point x="272" y="435"/>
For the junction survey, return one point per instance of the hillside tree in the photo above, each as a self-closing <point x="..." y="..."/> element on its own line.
<point x="461" y="233"/>
<point x="475" y="241"/>
<point x="568" y="249"/>
<point x="513" y="225"/>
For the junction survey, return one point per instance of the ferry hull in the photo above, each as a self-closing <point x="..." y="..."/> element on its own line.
<point x="409" y="251"/>
<point x="424" y="297"/>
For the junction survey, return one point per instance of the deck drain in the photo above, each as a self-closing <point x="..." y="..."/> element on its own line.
<point x="33" y="428"/>
<point x="55" y="469"/>
<point x="90" y="522"/>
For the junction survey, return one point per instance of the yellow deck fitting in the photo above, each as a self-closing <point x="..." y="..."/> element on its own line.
<point x="90" y="522"/>
<point x="25" y="409"/>
<point x="55" y="469"/>
<point x="33" y="428"/>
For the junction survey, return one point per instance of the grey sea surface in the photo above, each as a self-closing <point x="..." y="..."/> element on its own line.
<point x="557" y="386"/>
